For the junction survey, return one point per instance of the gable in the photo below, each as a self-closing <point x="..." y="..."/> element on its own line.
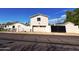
<point x="38" y="15"/>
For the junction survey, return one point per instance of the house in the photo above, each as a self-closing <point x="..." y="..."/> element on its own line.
<point x="71" y="28"/>
<point x="39" y="23"/>
<point x="17" y="27"/>
<point x="2" y="26"/>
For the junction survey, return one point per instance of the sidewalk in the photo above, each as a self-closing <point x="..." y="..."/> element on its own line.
<point x="45" y="33"/>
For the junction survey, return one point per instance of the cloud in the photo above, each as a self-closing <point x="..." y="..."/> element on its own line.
<point x="60" y="11"/>
<point x="57" y="20"/>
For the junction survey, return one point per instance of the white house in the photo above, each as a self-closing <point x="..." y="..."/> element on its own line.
<point x="17" y="27"/>
<point x="39" y="23"/>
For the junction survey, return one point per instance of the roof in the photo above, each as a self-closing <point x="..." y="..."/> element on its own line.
<point x="10" y="23"/>
<point x="60" y="25"/>
<point x="69" y="23"/>
<point x="57" y="24"/>
<point x="38" y="15"/>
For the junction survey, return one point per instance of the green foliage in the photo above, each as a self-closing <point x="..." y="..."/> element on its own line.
<point x="73" y="16"/>
<point x="2" y="29"/>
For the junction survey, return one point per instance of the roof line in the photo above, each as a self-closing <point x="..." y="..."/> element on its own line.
<point x="37" y="15"/>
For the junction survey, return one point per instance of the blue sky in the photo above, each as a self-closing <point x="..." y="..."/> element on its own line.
<point x="55" y="15"/>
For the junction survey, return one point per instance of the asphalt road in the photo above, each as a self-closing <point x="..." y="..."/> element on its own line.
<point x="28" y="42"/>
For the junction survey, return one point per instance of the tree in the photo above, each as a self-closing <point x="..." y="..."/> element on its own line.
<point x="73" y="16"/>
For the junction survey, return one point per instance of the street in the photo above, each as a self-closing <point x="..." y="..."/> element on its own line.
<point x="30" y="42"/>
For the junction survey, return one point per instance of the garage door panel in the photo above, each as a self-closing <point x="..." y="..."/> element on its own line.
<point x="39" y="29"/>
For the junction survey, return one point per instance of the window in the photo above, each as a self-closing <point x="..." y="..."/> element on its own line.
<point x="13" y="27"/>
<point x="5" y="26"/>
<point x="38" y="19"/>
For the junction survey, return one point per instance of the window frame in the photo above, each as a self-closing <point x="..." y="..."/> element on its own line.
<point x="38" y="19"/>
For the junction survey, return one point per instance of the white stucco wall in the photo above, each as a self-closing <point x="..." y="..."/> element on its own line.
<point x="8" y="27"/>
<point x="44" y="20"/>
<point x="71" y="28"/>
<point x="48" y="29"/>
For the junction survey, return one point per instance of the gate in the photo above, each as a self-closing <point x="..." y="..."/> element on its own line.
<point x="58" y="29"/>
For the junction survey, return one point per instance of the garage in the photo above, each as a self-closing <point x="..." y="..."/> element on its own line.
<point x="39" y="28"/>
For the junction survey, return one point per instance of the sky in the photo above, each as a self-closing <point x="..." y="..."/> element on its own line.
<point x="56" y="15"/>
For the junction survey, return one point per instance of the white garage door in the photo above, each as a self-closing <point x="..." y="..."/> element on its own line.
<point x="39" y="29"/>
